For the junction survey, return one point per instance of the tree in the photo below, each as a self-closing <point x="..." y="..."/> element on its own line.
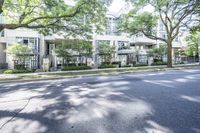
<point x="86" y="50"/>
<point x="192" y="43"/>
<point x="71" y="49"/>
<point x="20" y="53"/>
<point x="158" y="53"/>
<point x="173" y="14"/>
<point x="106" y="51"/>
<point x="51" y="16"/>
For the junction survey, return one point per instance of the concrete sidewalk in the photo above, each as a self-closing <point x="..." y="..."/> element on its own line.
<point x="4" y="78"/>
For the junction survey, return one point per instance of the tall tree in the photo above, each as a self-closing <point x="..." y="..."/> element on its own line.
<point x="173" y="14"/>
<point x="50" y="16"/>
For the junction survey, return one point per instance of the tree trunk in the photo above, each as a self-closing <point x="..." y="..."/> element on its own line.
<point x="169" y="54"/>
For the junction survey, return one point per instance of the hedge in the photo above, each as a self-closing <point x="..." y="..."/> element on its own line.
<point x="127" y="66"/>
<point x="13" y="71"/>
<point x="159" y="63"/>
<point x="68" y="68"/>
<point x="106" y="66"/>
<point x="3" y="65"/>
<point x="20" y="66"/>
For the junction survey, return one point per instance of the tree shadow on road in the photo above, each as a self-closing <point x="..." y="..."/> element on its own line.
<point x="98" y="104"/>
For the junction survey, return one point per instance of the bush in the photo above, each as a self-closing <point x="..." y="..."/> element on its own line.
<point x="106" y="66"/>
<point x="82" y="64"/>
<point x="105" y="63"/>
<point x="139" y="65"/>
<point x="116" y="63"/>
<point x="71" y="64"/>
<point x="68" y="68"/>
<point x="20" y="66"/>
<point x="159" y="63"/>
<point x="157" y="60"/>
<point x="13" y="71"/>
<point x="126" y="66"/>
<point x="8" y="72"/>
<point x="3" y="65"/>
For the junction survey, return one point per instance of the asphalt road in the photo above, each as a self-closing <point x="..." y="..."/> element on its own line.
<point x="151" y="102"/>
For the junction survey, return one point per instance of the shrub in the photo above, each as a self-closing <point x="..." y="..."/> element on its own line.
<point x="82" y="64"/>
<point x="71" y="64"/>
<point x="68" y="68"/>
<point x="13" y="71"/>
<point x="139" y="65"/>
<point x="8" y="72"/>
<point x="116" y="63"/>
<point x="126" y="66"/>
<point x="3" y="65"/>
<point x="20" y="66"/>
<point x="159" y="63"/>
<point x="157" y="60"/>
<point x="106" y="66"/>
<point x="105" y="63"/>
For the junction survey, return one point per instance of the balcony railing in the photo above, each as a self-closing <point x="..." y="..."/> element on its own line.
<point x="142" y="40"/>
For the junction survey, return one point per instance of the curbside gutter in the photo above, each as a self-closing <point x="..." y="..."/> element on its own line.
<point x="126" y="70"/>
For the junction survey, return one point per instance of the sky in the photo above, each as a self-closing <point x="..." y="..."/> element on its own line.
<point x="117" y="5"/>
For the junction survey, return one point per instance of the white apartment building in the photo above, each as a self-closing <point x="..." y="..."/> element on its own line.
<point x="126" y="47"/>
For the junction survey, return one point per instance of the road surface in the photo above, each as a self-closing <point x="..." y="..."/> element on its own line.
<point x="149" y="102"/>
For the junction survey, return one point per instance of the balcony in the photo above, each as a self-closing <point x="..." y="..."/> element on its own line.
<point x="124" y="50"/>
<point x="142" y="40"/>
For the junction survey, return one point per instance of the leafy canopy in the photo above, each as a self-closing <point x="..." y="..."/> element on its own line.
<point x="173" y="14"/>
<point x="192" y="41"/>
<point x="19" y="51"/>
<point x="52" y="16"/>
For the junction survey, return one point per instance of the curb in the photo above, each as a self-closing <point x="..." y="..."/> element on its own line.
<point x="102" y="74"/>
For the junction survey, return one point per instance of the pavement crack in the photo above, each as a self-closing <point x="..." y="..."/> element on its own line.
<point x="15" y="114"/>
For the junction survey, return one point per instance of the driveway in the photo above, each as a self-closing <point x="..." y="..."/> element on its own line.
<point x="150" y="102"/>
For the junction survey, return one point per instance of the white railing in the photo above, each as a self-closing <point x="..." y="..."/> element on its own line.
<point x="142" y="39"/>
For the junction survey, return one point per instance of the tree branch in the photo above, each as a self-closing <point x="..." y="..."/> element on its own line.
<point x="153" y="37"/>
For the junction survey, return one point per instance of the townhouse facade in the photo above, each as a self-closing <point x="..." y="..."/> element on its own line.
<point x="43" y="47"/>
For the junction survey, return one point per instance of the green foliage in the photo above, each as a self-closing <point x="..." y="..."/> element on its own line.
<point x="144" y="22"/>
<point x="3" y="65"/>
<point x="82" y="67"/>
<point x="158" y="63"/>
<point x="192" y="41"/>
<point x="127" y="66"/>
<point x="15" y="71"/>
<point x="158" y="53"/>
<point x="106" y="51"/>
<point x="20" y="66"/>
<point x="173" y="14"/>
<point x="106" y="66"/>
<point x="19" y="52"/>
<point x="51" y="16"/>
<point x="71" y="49"/>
